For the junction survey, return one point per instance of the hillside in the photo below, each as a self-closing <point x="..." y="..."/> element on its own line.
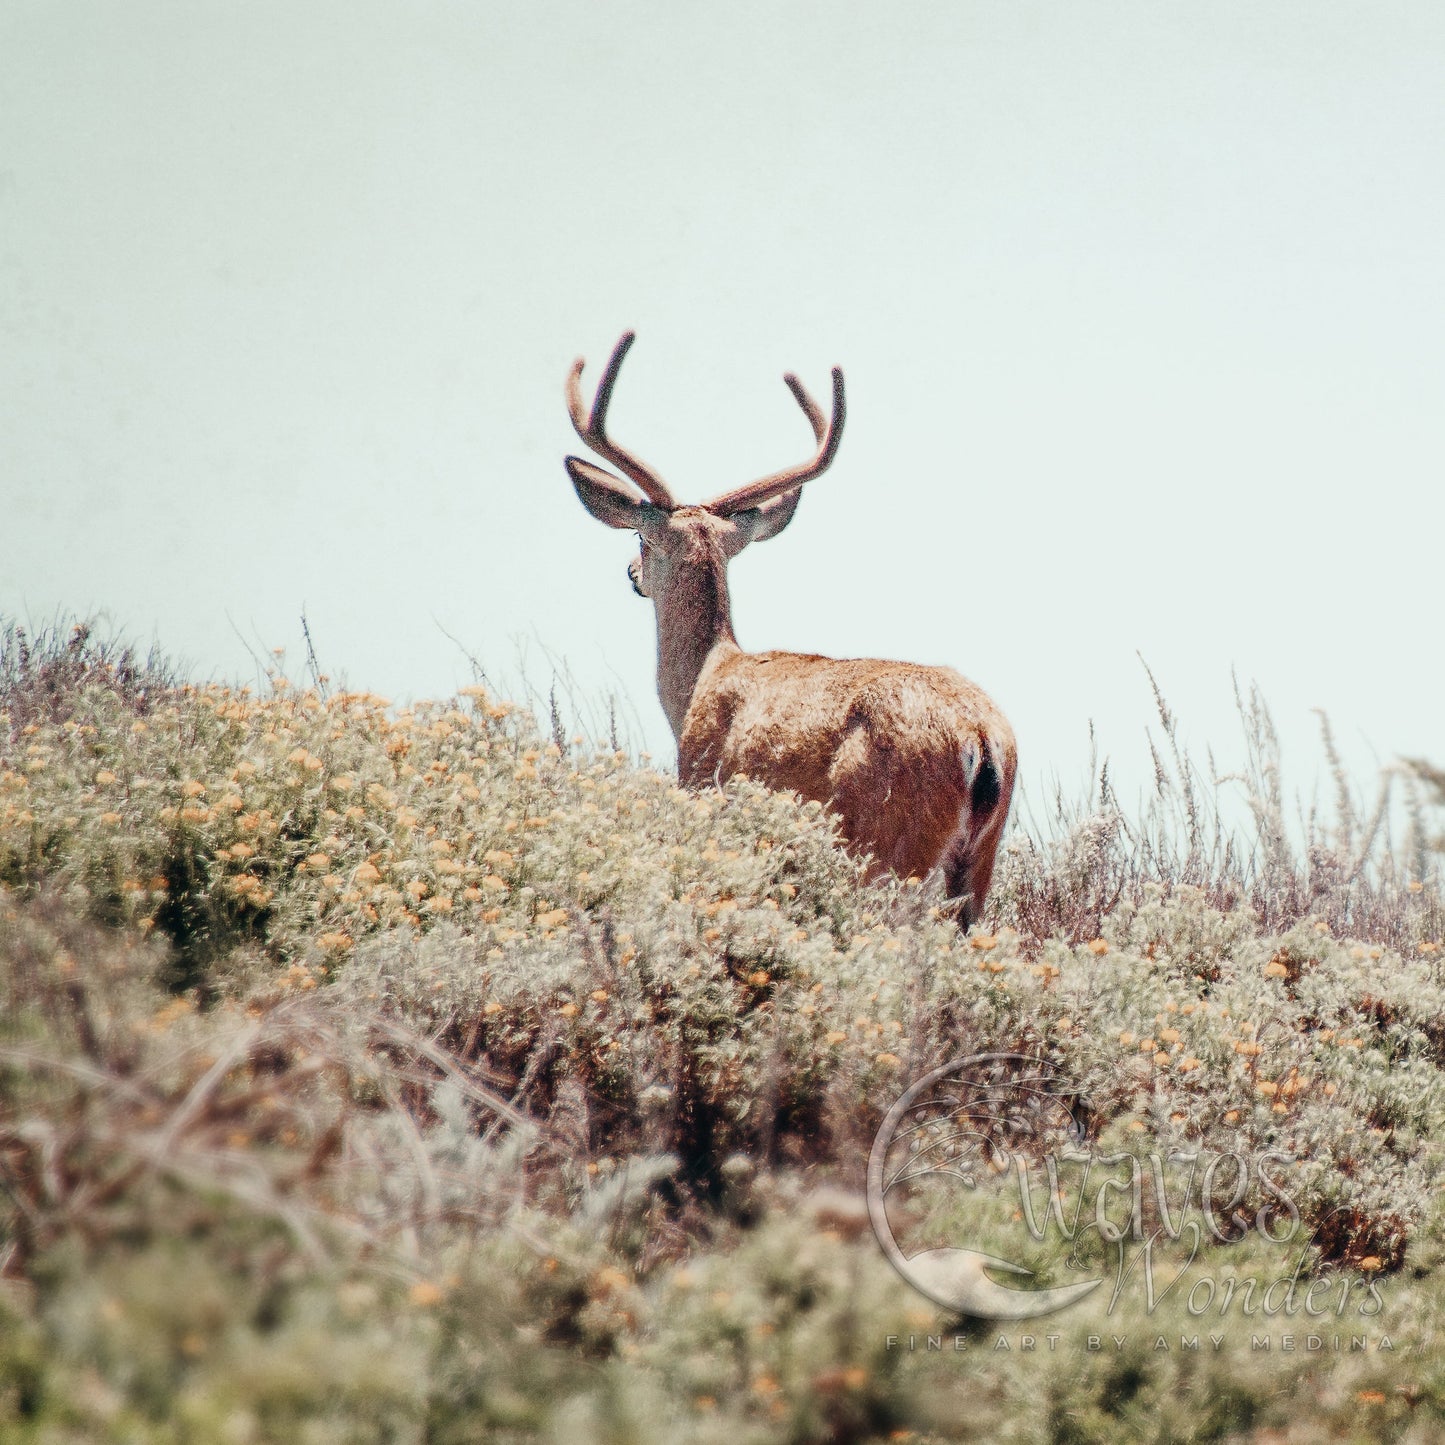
<point x="398" y="1074"/>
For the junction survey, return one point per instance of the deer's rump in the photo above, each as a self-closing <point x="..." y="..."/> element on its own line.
<point x="913" y="759"/>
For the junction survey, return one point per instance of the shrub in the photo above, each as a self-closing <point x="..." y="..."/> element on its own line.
<point x="373" y="1073"/>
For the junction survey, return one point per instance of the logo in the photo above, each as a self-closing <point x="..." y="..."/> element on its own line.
<point x="969" y="1117"/>
<point x="1008" y="1129"/>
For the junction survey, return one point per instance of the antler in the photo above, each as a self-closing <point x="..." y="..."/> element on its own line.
<point x="593" y="429"/>
<point x="828" y="436"/>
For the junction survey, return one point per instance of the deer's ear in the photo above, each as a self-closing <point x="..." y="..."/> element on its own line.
<point x="609" y="500"/>
<point x="759" y="523"/>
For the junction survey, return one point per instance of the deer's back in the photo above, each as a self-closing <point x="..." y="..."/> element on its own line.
<point x="904" y="753"/>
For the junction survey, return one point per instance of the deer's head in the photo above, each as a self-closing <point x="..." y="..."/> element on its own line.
<point x="679" y="541"/>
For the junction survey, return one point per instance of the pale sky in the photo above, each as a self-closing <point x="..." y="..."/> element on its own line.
<point x="1140" y="308"/>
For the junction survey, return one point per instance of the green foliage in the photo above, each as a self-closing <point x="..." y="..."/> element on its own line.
<point x="406" y="1075"/>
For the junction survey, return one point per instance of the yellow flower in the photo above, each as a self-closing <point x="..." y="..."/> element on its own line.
<point x="1098" y="946"/>
<point x="608" y="1281"/>
<point x="110" y="818"/>
<point x="105" y="777"/>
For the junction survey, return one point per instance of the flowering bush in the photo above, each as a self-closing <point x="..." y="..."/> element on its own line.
<point x="411" y="1059"/>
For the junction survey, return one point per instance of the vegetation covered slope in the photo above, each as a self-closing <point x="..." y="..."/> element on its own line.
<point x="405" y="1074"/>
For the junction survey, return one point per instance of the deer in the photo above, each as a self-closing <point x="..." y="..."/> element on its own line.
<point x="916" y="761"/>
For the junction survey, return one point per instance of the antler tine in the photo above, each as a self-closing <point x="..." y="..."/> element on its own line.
<point x="593" y="429"/>
<point x="828" y="436"/>
<point x="811" y="409"/>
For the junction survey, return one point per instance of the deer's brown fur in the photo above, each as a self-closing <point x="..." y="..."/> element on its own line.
<point x="917" y="761"/>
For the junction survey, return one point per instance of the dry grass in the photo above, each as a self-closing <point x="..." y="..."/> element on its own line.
<point x="1234" y="838"/>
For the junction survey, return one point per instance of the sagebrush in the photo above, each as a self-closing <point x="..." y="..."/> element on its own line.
<point x="376" y="1073"/>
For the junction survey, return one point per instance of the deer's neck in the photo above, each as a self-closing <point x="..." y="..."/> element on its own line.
<point x="694" y="620"/>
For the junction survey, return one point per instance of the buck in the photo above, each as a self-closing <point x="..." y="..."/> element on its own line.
<point x="916" y="761"/>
